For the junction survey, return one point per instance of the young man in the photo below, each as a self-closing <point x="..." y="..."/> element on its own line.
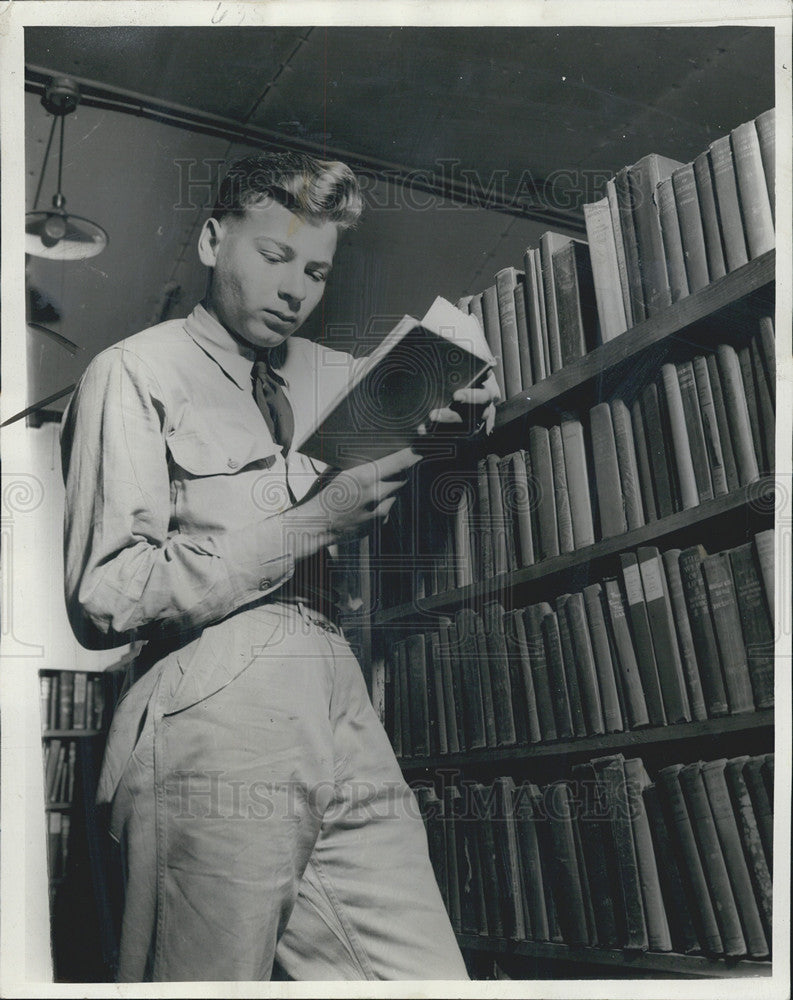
<point x="261" y="811"/>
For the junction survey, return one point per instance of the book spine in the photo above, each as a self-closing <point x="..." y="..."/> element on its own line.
<point x="417" y="685"/>
<point x="680" y="443"/>
<point x="765" y="405"/>
<point x="766" y="134"/>
<point x="699" y="810"/>
<point x="564" y="517"/>
<point x="710" y="426"/>
<point x="696" y="434"/>
<point x="702" y="631"/>
<point x="734" y="860"/>
<point x="587" y="671"/>
<point x="612" y="776"/>
<point x="658" y="934"/>
<point x="691" y="231"/>
<point x="557" y="676"/>
<point x="672" y="238"/>
<point x="628" y="229"/>
<point x="750" y="392"/>
<point x="761" y="804"/>
<point x="498" y="525"/>
<point x="607" y="472"/>
<point x="643" y="178"/>
<point x="575" y="463"/>
<point x="483" y="521"/>
<point x="522" y="322"/>
<point x="681" y="825"/>
<point x="645" y="654"/>
<point x="604" y="665"/>
<point x="532" y="621"/>
<point x="463" y="561"/>
<point x="439" y="702"/>
<point x="473" y="705"/>
<point x="710" y="217"/>
<point x="758" y="632"/>
<point x="504" y="466"/>
<point x="493" y="622"/>
<point x="766" y="344"/>
<point x="506" y="282"/>
<point x="727" y="624"/>
<point x="635" y="702"/>
<point x="605" y="269"/>
<point x="448" y="687"/>
<point x="676" y="901"/>
<point x="656" y="446"/>
<point x="524" y="701"/>
<point x="492" y="328"/>
<point x="752" y="189"/>
<point x="737" y="414"/>
<point x="688" y="654"/>
<point x="764" y="547"/>
<point x="551" y="308"/>
<point x="566" y="875"/>
<point x="643" y="461"/>
<point x="728" y="455"/>
<point x="80" y="697"/>
<point x="664" y="636"/>
<point x="518" y="503"/>
<point x="508" y="860"/>
<point x="750" y="837"/>
<point x="622" y="264"/>
<point x="729" y="210"/>
<point x="534" y="293"/>
<point x="483" y="801"/>
<point x="395" y="713"/>
<point x="486" y="681"/>
<point x="546" y="349"/>
<point x="568" y="304"/>
<point x="542" y="472"/>
<point x="574" y="687"/>
<point x="601" y="873"/>
<point x="66" y="708"/>
<point x="628" y="466"/>
<point x="531" y="864"/>
<point x="430" y="808"/>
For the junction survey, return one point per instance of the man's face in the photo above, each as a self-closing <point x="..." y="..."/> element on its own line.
<point x="269" y="271"/>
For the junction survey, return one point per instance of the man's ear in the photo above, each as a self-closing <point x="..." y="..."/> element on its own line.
<point x="209" y="241"/>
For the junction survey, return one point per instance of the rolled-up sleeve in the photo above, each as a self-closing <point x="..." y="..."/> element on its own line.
<point x="128" y="573"/>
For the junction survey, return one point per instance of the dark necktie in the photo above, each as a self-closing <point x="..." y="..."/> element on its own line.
<point x="271" y="400"/>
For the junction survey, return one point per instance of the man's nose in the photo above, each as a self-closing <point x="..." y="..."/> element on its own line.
<point x="293" y="286"/>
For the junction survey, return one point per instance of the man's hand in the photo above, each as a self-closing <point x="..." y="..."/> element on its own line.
<point x="352" y="501"/>
<point x="480" y="403"/>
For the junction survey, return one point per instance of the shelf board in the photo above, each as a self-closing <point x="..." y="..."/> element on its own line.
<point x="58" y="806"/>
<point x="650" y="533"/>
<point x="70" y="733"/>
<point x="675" y="318"/>
<point x="663" y="962"/>
<point x="631" y="739"/>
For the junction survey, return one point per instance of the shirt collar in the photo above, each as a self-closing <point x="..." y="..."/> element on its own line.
<point x="213" y="338"/>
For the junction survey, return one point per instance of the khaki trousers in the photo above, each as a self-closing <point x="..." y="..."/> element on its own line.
<point x="263" y="816"/>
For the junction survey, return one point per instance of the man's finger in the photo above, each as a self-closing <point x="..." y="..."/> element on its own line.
<point x="446" y="416"/>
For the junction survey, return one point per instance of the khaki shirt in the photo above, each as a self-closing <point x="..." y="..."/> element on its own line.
<point x="173" y="480"/>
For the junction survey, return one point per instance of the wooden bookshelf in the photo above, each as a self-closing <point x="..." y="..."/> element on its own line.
<point x="631" y="740"/>
<point x="664" y="963"/>
<point x="717" y="297"/>
<point x="593" y="556"/>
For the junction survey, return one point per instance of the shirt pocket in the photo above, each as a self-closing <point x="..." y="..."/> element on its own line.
<point x="202" y="455"/>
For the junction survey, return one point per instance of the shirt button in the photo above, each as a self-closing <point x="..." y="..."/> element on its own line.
<point x="232" y="464"/>
<point x="265" y="584"/>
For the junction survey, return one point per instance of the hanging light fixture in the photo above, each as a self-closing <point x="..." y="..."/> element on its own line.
<point x="54" y="233"/>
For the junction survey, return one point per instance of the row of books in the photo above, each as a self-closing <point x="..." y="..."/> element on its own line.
<point x="72" y="700"/>
<point x="704" y="428"/>
<point x="680" y="636"/>
<point x="58" y="829"/>
<point x="60" y="758"/>
<point x="664" y="229"/>
<point x="612" y="859"/>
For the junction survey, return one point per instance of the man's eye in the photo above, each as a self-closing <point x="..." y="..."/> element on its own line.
<point x="273" y="258"/>
<point x="317" y="275"/>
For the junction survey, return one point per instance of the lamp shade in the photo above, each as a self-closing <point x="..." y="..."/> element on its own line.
<point x="59" y="236"/>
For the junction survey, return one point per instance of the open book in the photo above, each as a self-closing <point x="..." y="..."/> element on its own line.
<point x="417" y="368"/>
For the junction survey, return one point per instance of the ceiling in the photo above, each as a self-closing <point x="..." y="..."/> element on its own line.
<point x="492" y="107"/>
